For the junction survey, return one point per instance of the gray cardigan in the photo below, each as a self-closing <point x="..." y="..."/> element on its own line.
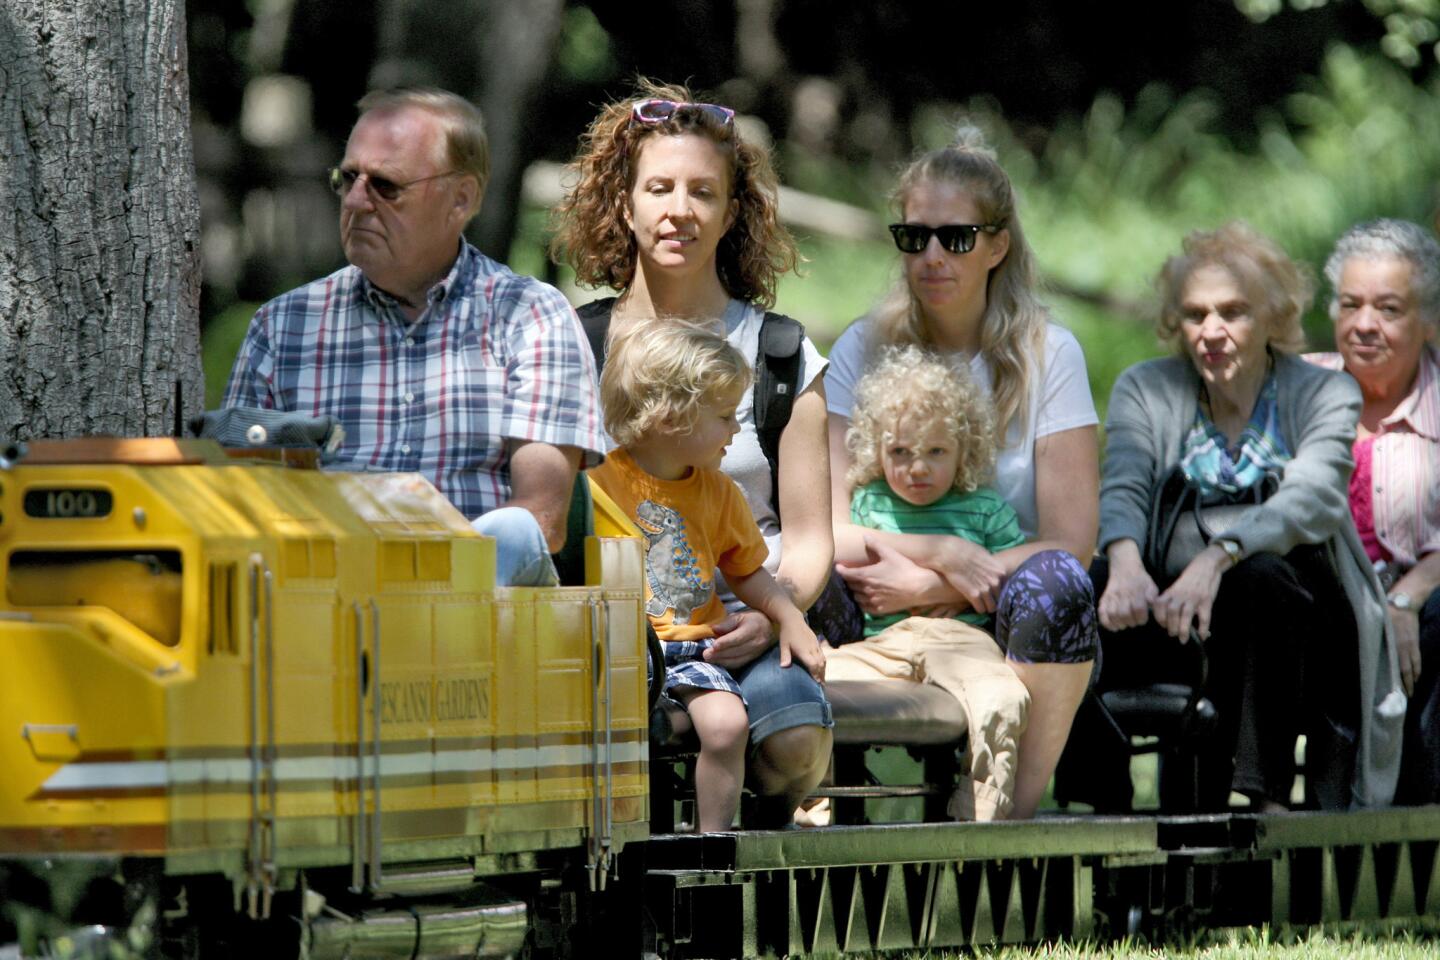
<point x="1153" y="405"/>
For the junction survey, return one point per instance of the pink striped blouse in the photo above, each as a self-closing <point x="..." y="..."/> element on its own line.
<point x="1405" y="477"/>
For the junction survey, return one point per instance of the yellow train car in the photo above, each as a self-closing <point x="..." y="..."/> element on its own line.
<point x="279" y="682"/>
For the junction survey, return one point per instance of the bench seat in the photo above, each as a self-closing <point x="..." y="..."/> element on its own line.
<point x="882" y="713"/>
<point x="894" y="713"/>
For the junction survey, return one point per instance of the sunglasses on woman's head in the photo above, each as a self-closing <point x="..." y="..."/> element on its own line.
<point x="658" y="111"/>
<point x="955" y="237"/>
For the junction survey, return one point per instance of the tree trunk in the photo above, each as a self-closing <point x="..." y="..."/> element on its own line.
<point x="99" y="221"/>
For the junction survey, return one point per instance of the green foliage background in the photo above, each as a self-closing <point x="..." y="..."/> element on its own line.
<point x="1108" y="196"/>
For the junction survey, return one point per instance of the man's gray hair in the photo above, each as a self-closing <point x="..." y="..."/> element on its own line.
<point x="1384" y="239"/>
<point x="467" y="148"/>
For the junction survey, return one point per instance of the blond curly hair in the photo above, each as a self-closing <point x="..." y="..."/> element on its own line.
<point x="591" y="233"/>
<point x="909" y="380"/>
<point x="657" y="370"/>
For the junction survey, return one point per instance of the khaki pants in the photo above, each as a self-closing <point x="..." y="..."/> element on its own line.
<point x="968" y="664"/>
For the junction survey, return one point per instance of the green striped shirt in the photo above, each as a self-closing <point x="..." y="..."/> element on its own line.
<point x="981" y="516"/>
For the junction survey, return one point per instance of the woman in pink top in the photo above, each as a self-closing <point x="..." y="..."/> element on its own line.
<point x="1386" y="306"/>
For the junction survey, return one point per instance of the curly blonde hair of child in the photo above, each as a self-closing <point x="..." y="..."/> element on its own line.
<point x="659" y="370"/>
<point x="592" y="234"/>
<point x="911" y="381"/>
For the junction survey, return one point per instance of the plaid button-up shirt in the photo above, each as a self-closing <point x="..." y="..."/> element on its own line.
<point x="494" y="357"/>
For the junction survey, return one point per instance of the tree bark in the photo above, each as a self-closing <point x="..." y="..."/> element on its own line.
<point x="99" y="220"/>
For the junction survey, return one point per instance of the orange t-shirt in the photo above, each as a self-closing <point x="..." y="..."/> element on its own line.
<point x="691" y="526"/>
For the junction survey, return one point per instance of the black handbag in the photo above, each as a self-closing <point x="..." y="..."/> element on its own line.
<point x="835" y="615"/>
<point x="1183" y="521"/>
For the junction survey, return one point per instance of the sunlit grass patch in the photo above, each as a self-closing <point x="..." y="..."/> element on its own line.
<point x="1412" y="940"/>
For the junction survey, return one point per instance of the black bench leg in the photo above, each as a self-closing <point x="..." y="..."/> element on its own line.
<point x="1179" y="777"/>
<point x="662" y="795"/>
<point x="850" y="770"/>
<point x="941" y="765"/>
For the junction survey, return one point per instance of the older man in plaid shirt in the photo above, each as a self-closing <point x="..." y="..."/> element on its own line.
<point x="433" y="357"/>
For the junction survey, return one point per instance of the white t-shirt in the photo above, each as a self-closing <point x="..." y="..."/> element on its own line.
<point x="1059" y="400"/>
<point x="745" y="462"/>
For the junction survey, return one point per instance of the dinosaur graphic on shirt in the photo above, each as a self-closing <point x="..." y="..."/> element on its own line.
<point x="676" y="581"/>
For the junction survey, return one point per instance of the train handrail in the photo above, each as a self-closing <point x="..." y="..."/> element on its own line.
<point x="253" y="850"/>
<point x="376" y="877"/>
<point x="602" y="812"/>
<point x="603" y="607"/>
<point x="261" y="846"/>
<point x="267" y="864"/>
<point x="592" y="864"/>
<point x="359" y="824"/>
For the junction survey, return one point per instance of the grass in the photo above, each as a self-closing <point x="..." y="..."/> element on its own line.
<point x="1368" y="942"/>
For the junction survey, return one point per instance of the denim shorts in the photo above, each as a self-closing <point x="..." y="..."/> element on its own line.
<point x="779" y="698"/>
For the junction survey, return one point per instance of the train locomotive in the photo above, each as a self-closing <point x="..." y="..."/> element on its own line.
<point x="250" y="708"/>
<point x="256" y="693"/>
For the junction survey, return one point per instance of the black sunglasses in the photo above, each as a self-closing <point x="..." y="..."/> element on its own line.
<point x="388" y="190"/>
<point x="955" y="237"/>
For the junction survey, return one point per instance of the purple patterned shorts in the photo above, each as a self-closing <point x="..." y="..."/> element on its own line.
<point x="1046" y="612"/>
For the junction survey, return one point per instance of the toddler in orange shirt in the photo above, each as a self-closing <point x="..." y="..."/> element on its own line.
<point x="669" y="392"/>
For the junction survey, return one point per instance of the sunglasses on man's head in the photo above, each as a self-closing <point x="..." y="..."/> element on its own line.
<point x="388" y="190"/>
<point x="658" y="111"/>
<point x="955" y="237"/>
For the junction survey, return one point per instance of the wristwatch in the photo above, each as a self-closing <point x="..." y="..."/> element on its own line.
<point x="1231" y="548"/>
<point x="1401" y="601"/>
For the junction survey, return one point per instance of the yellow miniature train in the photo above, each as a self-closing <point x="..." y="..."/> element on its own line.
<point x="272" y="682"/>
<point x="254" y="711"/>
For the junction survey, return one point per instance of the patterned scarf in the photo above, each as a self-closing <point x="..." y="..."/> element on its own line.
<point x="1216" y="468"/>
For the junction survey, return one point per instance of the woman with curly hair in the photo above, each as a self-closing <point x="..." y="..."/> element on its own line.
<point x="968" y="293"/>
<point x="922" y="441"/>
<point x="1283" y="596"/>
<point x="674" y="210"/>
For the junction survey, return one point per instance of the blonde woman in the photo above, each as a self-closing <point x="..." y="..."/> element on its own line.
<point x="968" y="292"/>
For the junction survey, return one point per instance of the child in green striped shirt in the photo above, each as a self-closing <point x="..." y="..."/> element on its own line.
<point x="923" y="441"/>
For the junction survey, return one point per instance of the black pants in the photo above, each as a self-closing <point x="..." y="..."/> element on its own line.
<point x="1282" y="658"/>
<point x="1420" y="757"/>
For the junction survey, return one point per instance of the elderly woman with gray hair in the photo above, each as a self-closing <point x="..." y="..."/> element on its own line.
<point x="1283" y="596"/>
<point x="1385" y="275"/>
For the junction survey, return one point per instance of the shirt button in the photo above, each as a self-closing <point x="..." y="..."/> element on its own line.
<point x="409" y="341"/>
<point x="405" y="448"/>
<point x="409" y="398"/>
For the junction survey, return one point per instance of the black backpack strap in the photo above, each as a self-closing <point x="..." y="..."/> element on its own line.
<point x="595" y="318"/>
<point x="777" y="380"/>
<point x="777" y="375"/>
